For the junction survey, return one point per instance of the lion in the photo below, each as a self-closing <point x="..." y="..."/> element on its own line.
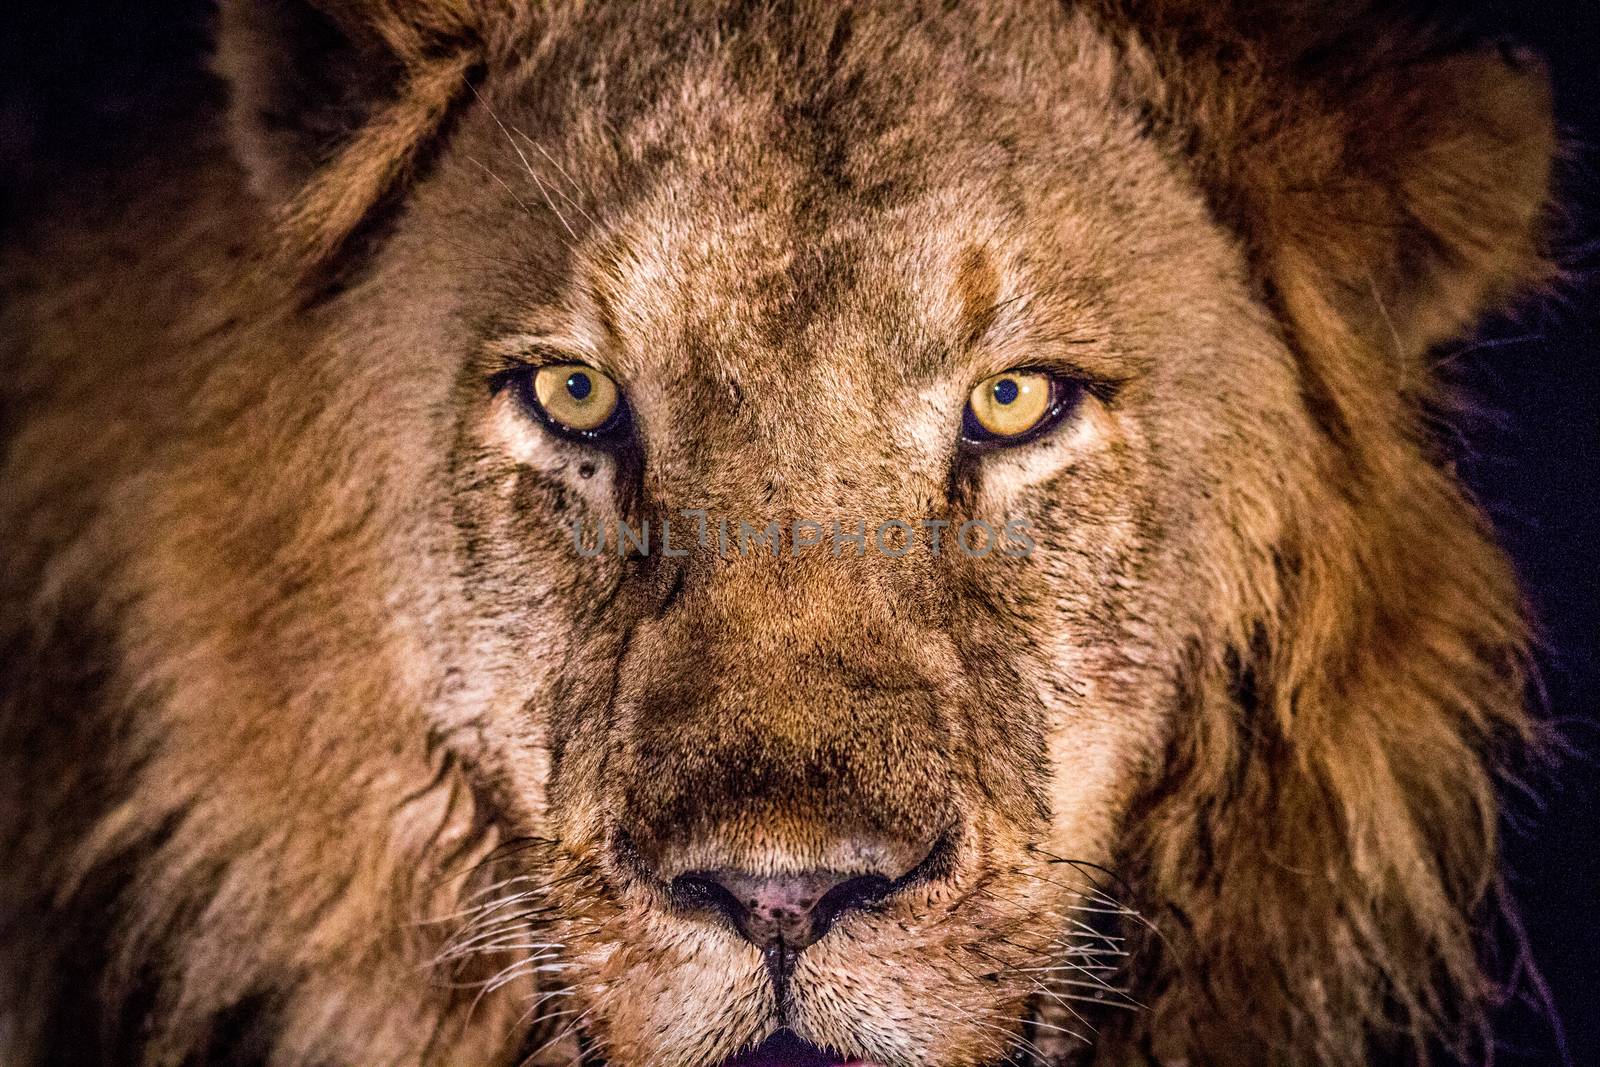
<point x="386" y="680"/>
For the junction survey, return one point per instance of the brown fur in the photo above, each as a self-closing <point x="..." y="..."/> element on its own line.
<point x="320" y="744"/>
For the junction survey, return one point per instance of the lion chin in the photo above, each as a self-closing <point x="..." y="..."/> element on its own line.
<point x="759" y="534"/>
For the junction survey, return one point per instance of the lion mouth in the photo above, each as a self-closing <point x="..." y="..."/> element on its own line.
<point x="785" y="1048"/>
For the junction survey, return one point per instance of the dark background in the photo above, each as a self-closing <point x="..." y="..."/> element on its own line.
<point x="1528" y="445"/>
<point x="1530" y="450"/>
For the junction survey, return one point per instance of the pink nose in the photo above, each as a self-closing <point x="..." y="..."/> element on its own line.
<point x="791" y="910"/>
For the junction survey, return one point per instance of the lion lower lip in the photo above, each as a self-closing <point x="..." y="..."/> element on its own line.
<point x="787" y="1049"/>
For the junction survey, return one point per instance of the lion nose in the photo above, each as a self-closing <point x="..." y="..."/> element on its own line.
<point x="788" y="910"/>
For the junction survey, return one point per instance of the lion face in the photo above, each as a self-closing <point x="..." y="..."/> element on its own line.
<point x="921" y="755"/>
<point x="783" y="534"/>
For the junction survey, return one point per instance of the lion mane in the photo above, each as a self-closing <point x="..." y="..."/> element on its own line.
<point x="1316" y="857"/>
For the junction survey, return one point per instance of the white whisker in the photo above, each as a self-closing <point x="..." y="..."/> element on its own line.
<point x="526" y="163"/>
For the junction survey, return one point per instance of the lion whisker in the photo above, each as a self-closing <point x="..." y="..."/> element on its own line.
<point x="525" y="972"/>
<point x="1125" y="1005"/>
<point x="1011" y="1035"/>
<point x="1101" y="993"/>
<point x="1100" y="911"/>
<point x="526" y="163"/>
<point x="515" y="879"/>
<point x="489" y="906"/>
<point x="1047" y="1026"/>
<point x="563" y="1032"/>
<point x="1037" y="985"/>
<point x="492" y="948"/>
<point x="1089" y="890"/>
<point x="1067" y="966"/>
<point x="485" y="913"/>
<point x="525" y="968"/>
<point x="512" y="192"/>
<point x="559" y="192"/>
<point x="472" y="936"/>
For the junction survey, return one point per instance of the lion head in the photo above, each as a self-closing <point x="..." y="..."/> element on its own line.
<point x="676" y="535"/>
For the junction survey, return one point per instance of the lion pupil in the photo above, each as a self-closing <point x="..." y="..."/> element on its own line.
<point x="579" y="385"/>
<point x="1005" y="391"/>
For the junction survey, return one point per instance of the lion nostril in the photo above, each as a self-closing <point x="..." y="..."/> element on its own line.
<point x="853" y="894"/>
<point x="700" y="891"/>
<point x="792" y="910"/>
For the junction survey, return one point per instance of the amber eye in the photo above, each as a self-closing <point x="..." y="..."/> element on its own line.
<point x="576" y="398"/>
<point x="1012" y="406"/>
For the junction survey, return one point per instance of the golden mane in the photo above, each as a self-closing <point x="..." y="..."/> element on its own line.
<point x="1326" y="841"/>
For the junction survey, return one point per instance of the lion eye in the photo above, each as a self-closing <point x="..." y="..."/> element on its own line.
<point x="1011" y="407"/>
<point x="575" y="397"/>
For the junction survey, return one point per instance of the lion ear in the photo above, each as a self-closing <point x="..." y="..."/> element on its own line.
<point x="1452" y="166"/>
<point x="299" y="84"/>
<point x="1379" y="173"/>
<point x="331" y="100"/>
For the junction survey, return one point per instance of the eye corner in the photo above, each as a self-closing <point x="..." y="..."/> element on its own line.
<point x="503" y="378"/>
